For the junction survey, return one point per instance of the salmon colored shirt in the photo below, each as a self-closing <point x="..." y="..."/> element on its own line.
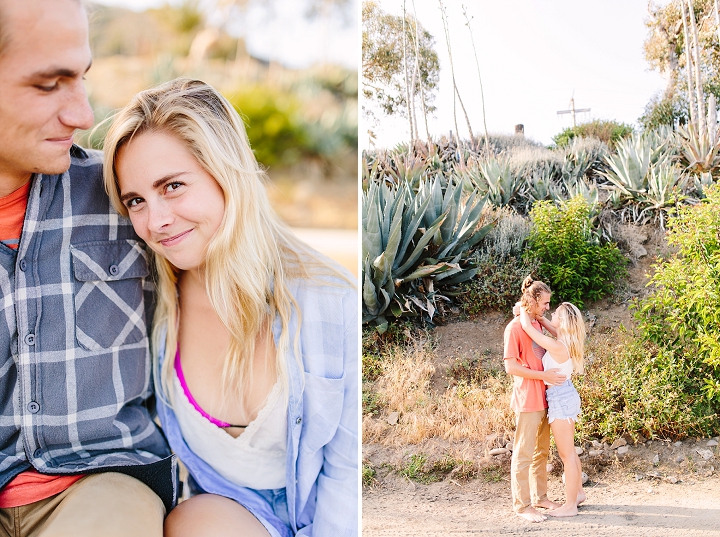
<point x="29" y="486"/>
<point x="12" y="215"/>
<point x="528" y="395"/>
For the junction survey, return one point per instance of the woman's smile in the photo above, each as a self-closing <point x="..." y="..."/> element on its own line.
<point x="175" y="205"/>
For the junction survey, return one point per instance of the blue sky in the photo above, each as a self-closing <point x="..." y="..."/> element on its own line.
<point x="534" y="56"/>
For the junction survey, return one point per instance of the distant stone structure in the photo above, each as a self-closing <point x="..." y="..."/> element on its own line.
<point x="519" y="129"/>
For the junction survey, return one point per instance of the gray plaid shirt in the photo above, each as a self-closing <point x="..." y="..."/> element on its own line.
<point x="75" y="378"/>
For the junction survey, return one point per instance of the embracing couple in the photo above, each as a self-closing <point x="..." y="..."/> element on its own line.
<point x="249" y="360"/>
<point x="536" y="360"/>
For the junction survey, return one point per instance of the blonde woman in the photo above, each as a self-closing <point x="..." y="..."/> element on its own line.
<point x="564" y="354"/>
<point x="255" y="336"/>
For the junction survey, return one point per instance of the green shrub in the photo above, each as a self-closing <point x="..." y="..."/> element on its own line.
<point x="419" y="468"/>
<point x="682" y="314"/>
<point x="500" y="266"/>
<point x="368" y="475"/>
<point x="272" y="118"/>
<point x="572" y="260"/>
<point x="606" y="131"/>
<point x="496" y="285"/>
<point x="634" y="387"/>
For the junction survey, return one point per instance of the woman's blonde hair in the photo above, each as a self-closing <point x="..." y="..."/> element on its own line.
<point x="251" y="257"/>
<point x="532" y="290"/>
<point x="571" y="331"/>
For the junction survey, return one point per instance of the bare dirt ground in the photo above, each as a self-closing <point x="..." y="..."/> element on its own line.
<point x="649" y="488"/>
<point x="617" y="506"/>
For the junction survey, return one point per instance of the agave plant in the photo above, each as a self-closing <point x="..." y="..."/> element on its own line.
<point x="629" y="166"/>
<point x="414" y="243"/>
<point x="497" y="181"/>
<point x="700" y="150"/>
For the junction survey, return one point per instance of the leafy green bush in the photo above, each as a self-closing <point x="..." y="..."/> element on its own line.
<point x="368" y="474"/>
<point x="632" y="387"/>
<point x="274" y="127"/>
<point x="501" y="268"/>
<point x="572" y="260"/>
<point x="419" y="468"/>
<point x="682" y="314"/>
<point x="496" y="285"/>
<point x="609" y="132"/>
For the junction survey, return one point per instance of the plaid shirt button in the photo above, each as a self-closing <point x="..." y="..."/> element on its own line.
<point x="30" y="340"/>
<point x="33" y="407"/>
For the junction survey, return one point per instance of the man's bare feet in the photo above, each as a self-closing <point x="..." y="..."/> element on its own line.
<point x="565" y="510"/>
<point x="532" y="515"/>
<point x="581" y="497"/>
<point x="547" y="504"/>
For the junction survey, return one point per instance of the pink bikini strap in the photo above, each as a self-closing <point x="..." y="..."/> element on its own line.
<point x="193" y="402"/>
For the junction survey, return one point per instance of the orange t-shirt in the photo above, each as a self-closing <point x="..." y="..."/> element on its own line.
<point x="12" y="215"/>
<point x="528" y="395"/>
<point x="31" y="486"/>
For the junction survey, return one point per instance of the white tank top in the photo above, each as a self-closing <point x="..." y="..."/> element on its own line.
<point x="257" y="458"/>
<point x="566" y="368"/>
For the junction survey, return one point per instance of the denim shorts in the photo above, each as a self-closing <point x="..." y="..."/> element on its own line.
<point x="563" y="402"/>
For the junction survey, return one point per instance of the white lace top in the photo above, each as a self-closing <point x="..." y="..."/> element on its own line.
<point x="257" y="458"/>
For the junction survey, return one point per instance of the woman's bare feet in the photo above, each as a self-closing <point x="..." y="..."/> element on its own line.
<point x="547" y="504"/>
<point x="532" y="515"/>
<point x="565" y="510"/>
<point x="581" y="497"/>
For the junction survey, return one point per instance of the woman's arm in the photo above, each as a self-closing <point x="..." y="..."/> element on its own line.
<point x="337" y="484"/>
<point x="556" y="348"/>
<point x="547" y="325"/>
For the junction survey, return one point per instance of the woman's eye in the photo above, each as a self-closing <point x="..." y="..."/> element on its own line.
<point x="133" y="202"/>
<point x="171" y="187"/>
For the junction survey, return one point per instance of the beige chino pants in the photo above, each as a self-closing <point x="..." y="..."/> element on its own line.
<point x="99" y="505"/>
<point x="528" y="469"/>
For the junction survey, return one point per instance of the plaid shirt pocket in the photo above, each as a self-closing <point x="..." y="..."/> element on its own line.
<point x="109" y="309"/>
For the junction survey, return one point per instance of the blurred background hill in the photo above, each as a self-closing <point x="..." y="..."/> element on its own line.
<point x="299" y="105"/>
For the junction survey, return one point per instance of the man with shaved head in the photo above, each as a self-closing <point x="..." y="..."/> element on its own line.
<point x="79" y="452"/>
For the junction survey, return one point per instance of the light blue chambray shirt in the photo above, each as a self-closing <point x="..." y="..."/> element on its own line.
<point x="322" y="464"/>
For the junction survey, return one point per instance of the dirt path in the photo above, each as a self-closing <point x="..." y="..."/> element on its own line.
<point x="617" y="507"/>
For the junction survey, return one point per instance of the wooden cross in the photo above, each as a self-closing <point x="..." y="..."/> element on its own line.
<point x="573" y="110"/>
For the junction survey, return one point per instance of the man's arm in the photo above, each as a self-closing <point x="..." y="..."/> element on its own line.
<point x="551" y="376"/>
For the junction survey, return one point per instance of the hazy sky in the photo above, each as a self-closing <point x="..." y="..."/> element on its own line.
<point x="287" y="35"/>
<point x="534" y="56"/>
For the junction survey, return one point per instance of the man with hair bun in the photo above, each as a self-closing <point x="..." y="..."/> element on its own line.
<point x="523" y="360"/>
<point x="80" y="453"/>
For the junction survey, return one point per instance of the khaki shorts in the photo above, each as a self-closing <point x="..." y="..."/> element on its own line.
<point x="99" y="505"/>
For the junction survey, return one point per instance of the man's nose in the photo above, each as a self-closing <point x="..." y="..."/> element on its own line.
<point x="76" y="112"/>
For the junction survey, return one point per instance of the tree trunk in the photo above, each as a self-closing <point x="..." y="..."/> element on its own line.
<point x="413" y="85"/>
<point x="407" y="85"/>
<point x="422" y="87"/>
<point x="698" y="75"/>
<point x="688" y="68"/>
<point x="717" y="18"/>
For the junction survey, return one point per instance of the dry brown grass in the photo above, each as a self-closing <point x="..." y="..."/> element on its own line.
<point x="466" y="411"/>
